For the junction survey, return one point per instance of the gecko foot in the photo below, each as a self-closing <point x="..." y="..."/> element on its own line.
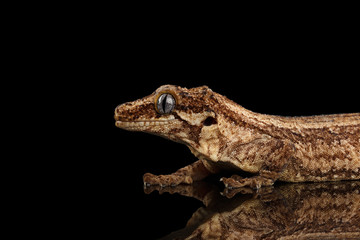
<point x="239" y="182"/>
<point x="165" y="180"/>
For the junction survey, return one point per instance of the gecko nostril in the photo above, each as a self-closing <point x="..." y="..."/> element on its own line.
<point x="117" y="115"/>
<point x="117" y="112"/>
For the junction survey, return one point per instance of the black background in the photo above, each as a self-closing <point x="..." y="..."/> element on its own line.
<point x="270" y="64"/>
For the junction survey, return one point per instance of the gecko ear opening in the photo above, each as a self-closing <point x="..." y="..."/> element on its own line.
<point x="209" y="121"/>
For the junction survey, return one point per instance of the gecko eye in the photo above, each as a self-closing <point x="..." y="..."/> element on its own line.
<point x="165" y="103"/>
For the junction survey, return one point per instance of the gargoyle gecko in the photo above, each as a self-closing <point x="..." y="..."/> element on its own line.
<point x="224" y="135"/>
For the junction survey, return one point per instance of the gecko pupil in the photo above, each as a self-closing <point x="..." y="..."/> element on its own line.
<point x="166" y="103"/>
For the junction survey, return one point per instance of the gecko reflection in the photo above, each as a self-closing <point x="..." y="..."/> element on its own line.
<point x="292" y="211"/>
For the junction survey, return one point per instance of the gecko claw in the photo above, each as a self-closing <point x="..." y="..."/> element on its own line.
<point x="225" y="183"/>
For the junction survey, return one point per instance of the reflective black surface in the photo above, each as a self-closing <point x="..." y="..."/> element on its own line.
<point x="287" y="211"/>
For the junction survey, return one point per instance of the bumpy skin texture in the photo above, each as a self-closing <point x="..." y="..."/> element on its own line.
<point x="224" y="135"/>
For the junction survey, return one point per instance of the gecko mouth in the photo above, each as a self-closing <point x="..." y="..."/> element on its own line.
<point x="129" y="124"/>
<point x="142" y="123"/>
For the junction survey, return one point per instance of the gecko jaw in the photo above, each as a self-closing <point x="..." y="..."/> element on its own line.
<point x="142" y="123"/>
<point x="134" y="124"/>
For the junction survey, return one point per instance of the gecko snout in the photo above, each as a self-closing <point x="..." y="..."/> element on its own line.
<point x="118" y="111"/>
<point x="126" y="112"/>
<point x="116" y="117"/>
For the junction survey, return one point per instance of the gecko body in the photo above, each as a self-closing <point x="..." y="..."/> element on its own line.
<point x="224" y="135"/>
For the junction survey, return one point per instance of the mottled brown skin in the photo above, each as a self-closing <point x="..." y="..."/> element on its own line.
<point x="224" y="135"/>
<point x="305" y="211"/>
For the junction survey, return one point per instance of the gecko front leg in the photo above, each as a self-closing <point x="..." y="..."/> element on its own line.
<point x="193" y="172"/>
<point x="274" y="156"/>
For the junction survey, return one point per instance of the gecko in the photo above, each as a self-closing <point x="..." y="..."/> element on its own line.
<point x="223" y="135"/>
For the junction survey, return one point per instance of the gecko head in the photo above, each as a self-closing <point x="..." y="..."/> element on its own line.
<point x="172" y="112"/>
